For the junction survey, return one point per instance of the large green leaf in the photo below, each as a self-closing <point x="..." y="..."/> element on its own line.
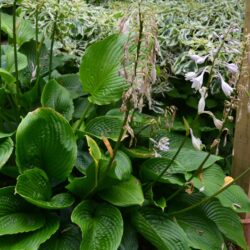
<point x="67" y="238"/>
<point x="197" y="157"/>
<point x="6" y="76"/>
<point x="156" y="227"/>
<point x="33" y="185"/>
<point x="213" y="180"/>
<point x="31" y="240"/>
<point x="123" y="194"/>
<point x="152" y="168"/>
<point x="72" y="83"/>
<point x="9" y="60"/>
<point x="202" y="232"/>
<point x="24" y="29"/>
<point x="101" y="225"/>
<point x="44" y="139"/>
<point x="104" y="126"/>
<point x="99" y="70"/>
<point x="57" y="97"/>
<point x="227" y="221"/>
<point x="6" y="148"/>
<point x="16" y="215"/>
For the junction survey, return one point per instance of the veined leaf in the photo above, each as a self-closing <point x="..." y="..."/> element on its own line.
<point x="94" y="149"/>
<point x="104" y="126"/>
<point x="67" y="238"/>
<point x="122" y="168"/>
<point x="129" y="238"/>
<point x="101" y="225"/>
<point x="123" y="194"/>
<point x="31" y="240"/>
<point x="157" y="228"/>
<point x="25" y="31"/>
<point x="233" y="197"/>
<point x="202" y="232"/>
<point x="57" y="97"/>
<point x="33" y="185"/>
<point x="6" y="148"/>
<point x="152" y="168"/>
<point x="99" y="70"/>
<point x="16" y="215"/>
<point x="44" y="139"/>
<point x="72" y="83"/>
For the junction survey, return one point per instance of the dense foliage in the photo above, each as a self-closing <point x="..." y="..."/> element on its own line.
<point x="91" y="157"/>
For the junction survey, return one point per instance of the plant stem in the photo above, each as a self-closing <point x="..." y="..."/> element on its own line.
<point x="209" y="197"/>
<point x="82" y="117"/>
<point x="18" y="87"/>
<point x="52" y="42"/>
<point x="37" y="42"/>
<point x="0" y="37"/>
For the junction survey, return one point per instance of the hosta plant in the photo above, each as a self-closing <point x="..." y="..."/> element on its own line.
<point x="78" y="172"/>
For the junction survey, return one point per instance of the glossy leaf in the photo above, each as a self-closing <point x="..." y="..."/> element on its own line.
<point x="16" y="215"/>
<point x="33" y="185"/>
<point x="67" y="238"/>
<point x="159" y="230"/>
<point x="202" y="232"/>
<point x="6" y="148"/>
<point x="104" y="126"/>
<point x="99" y="70"/>
<point x="124" y="193"/>
<point x="233" y="197"/>
<point x="101" y="225"/>
<point x="57" y="97"/>
<point x="152" y="168"/>
<point x="31" y="240"/>
<point x="44" y="139"/>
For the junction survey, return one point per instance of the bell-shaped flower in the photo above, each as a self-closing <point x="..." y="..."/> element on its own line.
<point x="197" y="144"/>
<point x="190" y="76"/>
<point x="198" y="81"/>
<point x="226" y="88"/>
<point x="217" y="123"/>
<point x="232" y="67"/>
<point x="202" y="103"/>
<point x="199" y="59"/>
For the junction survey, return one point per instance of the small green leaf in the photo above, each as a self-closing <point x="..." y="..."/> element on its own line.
<point x="33" y="185"/>
<point x="124" y="193"/>
<point x="123" y="167"/>
<point x="57" y="97"/>
<point x="99" y="70"/>
<point x="44" y="139"/>
<point x="101" y="225"/>
<point x="16" y="215"/>
<point x="94" y="149"/>
<point x="139" y="152"/>
<point x="104" y="126"/>
<point x="157" y="228"/>
<point x="6" y="148"/>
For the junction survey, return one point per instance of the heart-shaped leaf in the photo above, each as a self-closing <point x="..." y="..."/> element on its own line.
<point x="33" y="185"/>
<point x="125" y="193"/>
<point x="31" y="240"/>
<point x="16" y="215"/>
<point x="44" y="139"/>
<point x="57" y="97"/>
<point x="157" y="228"/>
<point x="99" y="70"/>
<point x="101" y="225"/>
<point x="6" y="148"/>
